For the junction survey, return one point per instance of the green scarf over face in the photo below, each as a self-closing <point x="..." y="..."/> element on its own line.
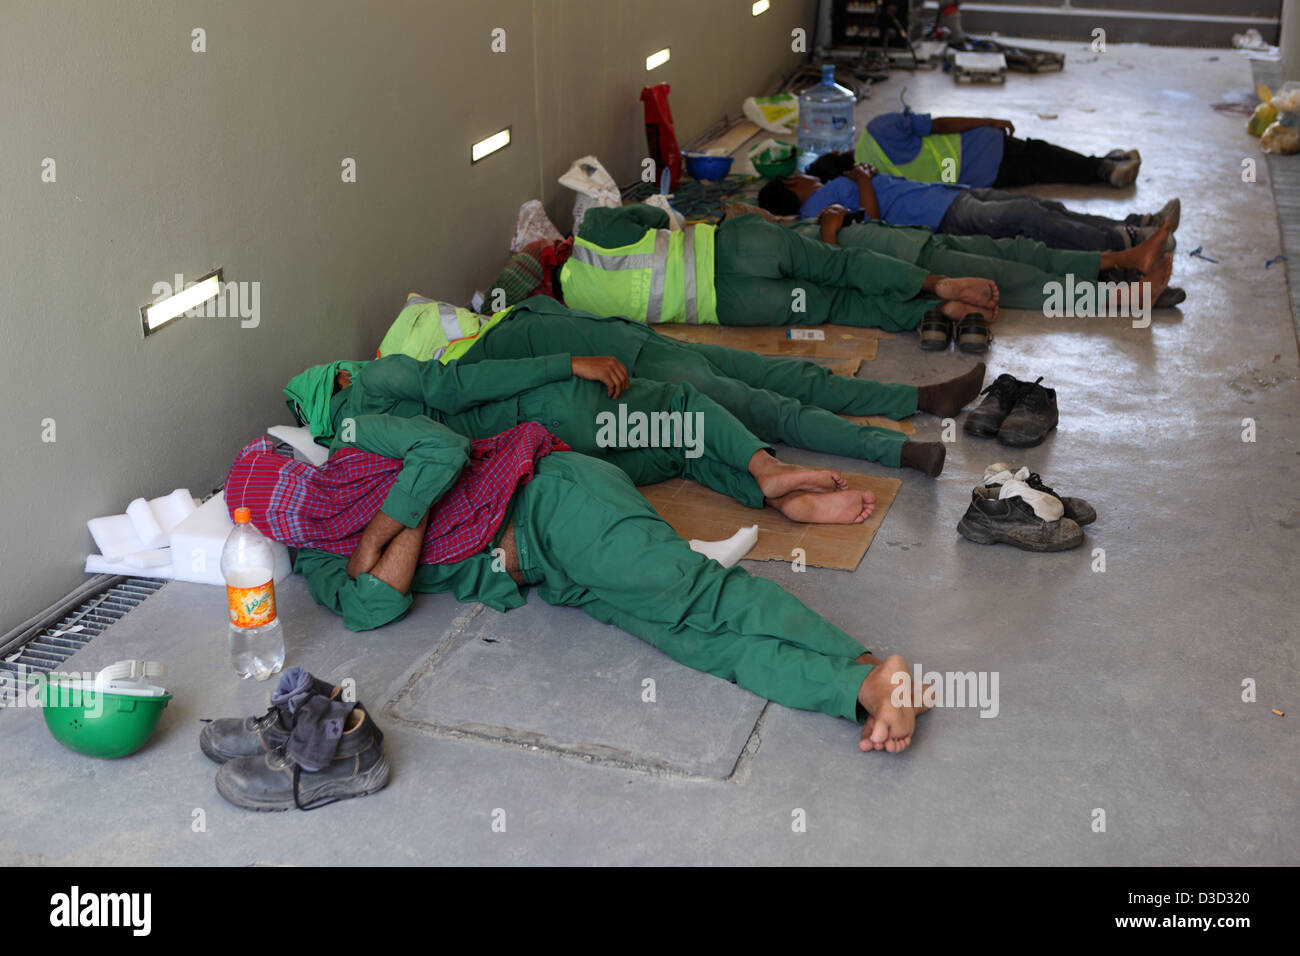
<point x="308" y="396"/>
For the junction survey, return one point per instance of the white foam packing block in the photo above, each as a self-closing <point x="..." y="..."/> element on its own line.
<point x="98" y="564"/>
<point x="171" y="510"/>
<point x="115" y="536"/>
<point x="146" y="525"/>
<point x="197" y="542"/>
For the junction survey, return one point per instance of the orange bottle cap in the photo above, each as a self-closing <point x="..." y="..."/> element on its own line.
<point x="242" y="516"/>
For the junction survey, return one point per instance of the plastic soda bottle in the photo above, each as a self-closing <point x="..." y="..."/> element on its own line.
<point x="248" y="565"/>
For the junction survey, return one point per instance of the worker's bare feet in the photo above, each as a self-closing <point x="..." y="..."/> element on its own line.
<point x="1148" y="252"/>
<point x="778" y="478"/>
<point x="959" y="310"/>
<point x="981" y="293"/>
<point x="833" y="507"/>
<point x="886" y="695"/>
<point x="1158" y="278"/>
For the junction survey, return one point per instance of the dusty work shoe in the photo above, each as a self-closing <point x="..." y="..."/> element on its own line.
<point x="1119" y="172"/>
<point x="1076" y="509"/>
<point x="935" y="331"/>
<point x="275" y="781"/>
<point x="1013" y="521"/>
<point x="232" y="737"/>
<point x="999" y="398"/>
<point x="972" y="334"/>
<point x="1032" y="417"/>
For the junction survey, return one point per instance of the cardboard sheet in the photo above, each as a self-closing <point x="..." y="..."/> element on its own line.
<point x="839" y="341"/>
<point x="697" y="512"/>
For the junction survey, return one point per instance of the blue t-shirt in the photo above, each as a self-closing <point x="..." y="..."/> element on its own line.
<point x="899" y="136"/>
<point x="905" y="202"/>
<point x="840" y="190"/>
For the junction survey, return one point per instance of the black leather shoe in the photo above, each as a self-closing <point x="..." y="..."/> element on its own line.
<point x="1076" y="509"/>
<point x="1033" y="416"/>
<point x="994" y="520"/>
<point x="999" y="398"/>
<point x="275" y="781"/>
<point x="232" y="737"/>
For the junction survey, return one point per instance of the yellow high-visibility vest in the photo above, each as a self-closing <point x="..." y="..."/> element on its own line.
<point x="664" y="276"/>
<point x="427" y="329"/>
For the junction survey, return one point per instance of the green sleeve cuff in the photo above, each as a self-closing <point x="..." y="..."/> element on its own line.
<point x="558" y="367"/>
<point x="402" y="506"/>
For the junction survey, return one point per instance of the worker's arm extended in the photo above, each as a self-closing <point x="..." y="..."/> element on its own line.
<point x="432" y="457"/>
<point x="455" y="388"/>
<point x="960" y="124"/>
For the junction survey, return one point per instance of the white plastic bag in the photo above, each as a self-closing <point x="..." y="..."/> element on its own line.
<point x="533" y="224"/>
<point x="594" y="186"/>
<point x="776" y="114"/>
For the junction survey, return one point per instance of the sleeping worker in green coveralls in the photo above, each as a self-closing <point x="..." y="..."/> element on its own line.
<point x="784" y="400"/>
<point x="580" y="533"/>
<point x="745" y="271"/>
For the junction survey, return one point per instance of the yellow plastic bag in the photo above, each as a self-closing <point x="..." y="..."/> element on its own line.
<point x="1265" y="113"/>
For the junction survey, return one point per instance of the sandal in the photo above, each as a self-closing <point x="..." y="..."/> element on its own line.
<point x="936" y="330"/>
<point x="973" y="334"/>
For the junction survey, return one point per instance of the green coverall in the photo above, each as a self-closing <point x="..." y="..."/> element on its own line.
<point x="481" y="400"/>
<point x="785" y="400"/>
<point x="764" y="274"/>
<point x="1021" y="267"/>
<point x="587" y="539"/>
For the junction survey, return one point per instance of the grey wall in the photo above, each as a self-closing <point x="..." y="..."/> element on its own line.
<point x="173" y="161"/>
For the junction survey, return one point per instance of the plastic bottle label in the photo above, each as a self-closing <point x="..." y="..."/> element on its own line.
<point x="252" y="607"/>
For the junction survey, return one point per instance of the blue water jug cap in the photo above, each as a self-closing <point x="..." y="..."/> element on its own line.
<point x="828" y="72"/>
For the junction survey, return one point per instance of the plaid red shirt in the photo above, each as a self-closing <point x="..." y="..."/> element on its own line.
<point x="328" y="507"/>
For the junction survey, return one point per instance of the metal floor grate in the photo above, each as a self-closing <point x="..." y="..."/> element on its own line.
<point x="54" y="643"/>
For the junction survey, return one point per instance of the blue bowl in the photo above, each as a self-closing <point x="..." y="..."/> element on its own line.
<point x="707" y="168"/>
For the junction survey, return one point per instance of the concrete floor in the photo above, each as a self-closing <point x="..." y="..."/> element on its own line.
<point x="1119" y="690"/>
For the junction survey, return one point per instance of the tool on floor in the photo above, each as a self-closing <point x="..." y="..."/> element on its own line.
<point x="1197" y="253"/>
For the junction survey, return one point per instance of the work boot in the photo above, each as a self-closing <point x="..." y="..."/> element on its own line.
<point x="1032" y="417"/>
<point x="1119" y="172"/>
<point x="1076" y="509"/>
<point x="999" y="399"/>
<point x="231" y="737"/>
<point x="275" y="781"/>
<point x="1013" y="521"/>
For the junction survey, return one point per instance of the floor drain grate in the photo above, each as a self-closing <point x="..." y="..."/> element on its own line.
<point x="53" y="643"/>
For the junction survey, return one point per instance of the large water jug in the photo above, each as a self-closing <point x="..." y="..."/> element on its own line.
<point x="825" y="118"/>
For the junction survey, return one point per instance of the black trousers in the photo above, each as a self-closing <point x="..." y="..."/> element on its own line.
<point x="1029" y="161"/>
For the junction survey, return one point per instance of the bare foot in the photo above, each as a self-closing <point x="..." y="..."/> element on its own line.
<point x="1158" y="278"/>
<point x="778" y="478"/>
<point x="833" y="507"/>
<point x="982" y="293"/>
<point x="887" y="696"/>
<point x="959" y="310"/>
<point x="1145" y="254"/>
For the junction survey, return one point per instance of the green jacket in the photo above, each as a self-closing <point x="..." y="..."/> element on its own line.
<point x="474" y="399"/>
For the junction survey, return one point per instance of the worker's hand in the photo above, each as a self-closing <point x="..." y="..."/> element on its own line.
<point x="834" y="213"/>
<point x="1006" y="126"/>
<point x="604" y="369"/>
<point x="860" y="173"/>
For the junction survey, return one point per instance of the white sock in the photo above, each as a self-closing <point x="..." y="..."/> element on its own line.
<point x="728" y="553"/>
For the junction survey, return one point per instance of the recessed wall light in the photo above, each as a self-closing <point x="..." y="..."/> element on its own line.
<point x="154" y="316"/>
<point x="486" y="147"/>
<point x="760" y="7"/>
<point x="657" y="59"/>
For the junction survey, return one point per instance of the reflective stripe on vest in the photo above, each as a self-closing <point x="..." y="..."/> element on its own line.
<point x="656" y="262"/>
<point x="688" y="266"/>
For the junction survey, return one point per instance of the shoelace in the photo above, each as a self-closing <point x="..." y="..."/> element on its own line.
<point x="1005" y="390"/>
<point x="1035" y="482"/>
<point x="282" y="760"/>
<point x="1034" y="395"/>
